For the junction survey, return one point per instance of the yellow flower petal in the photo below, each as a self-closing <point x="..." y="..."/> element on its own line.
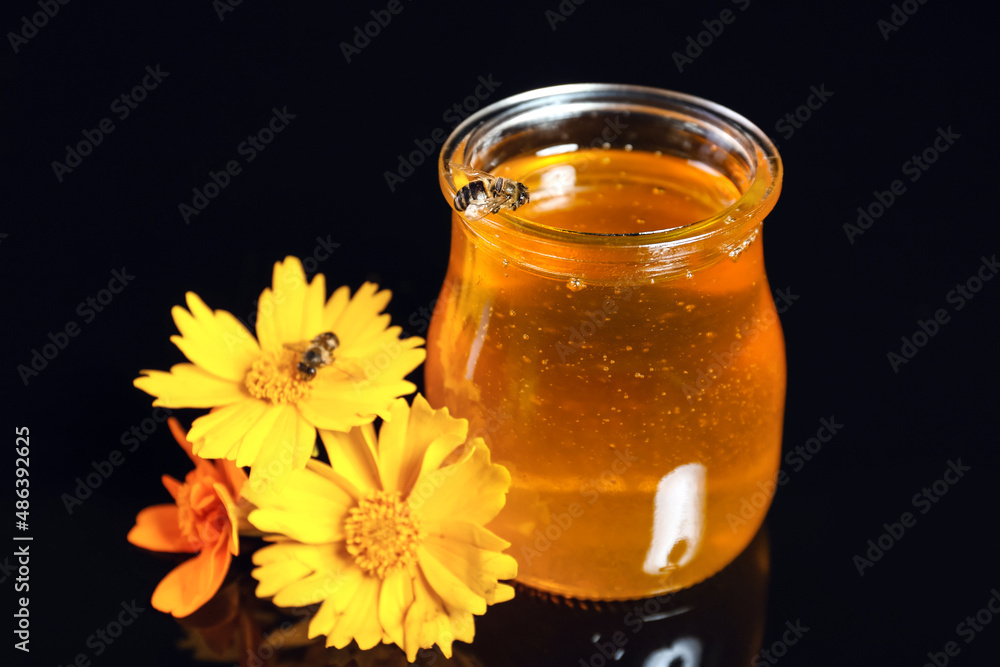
<point x="452" y="590"/>
<point x="476" y="569"/>
<point x="221" y="430"/>
<point x="337" y="599"/>
<point x="286" y="449"/>
<point x="465" y="533"/>
<point x="359" y="620"/>
<point x="441" y="432"/>
<point x="215" y="341"/>
<point x="310" y="510"/>
<point x="472" y="490"/>
<point x="395" y="598"/>
<point x="503" y="593"/>
<point x="273" y="577"/>
<point x="261" y="431"/>
<point x="188" y="386"/>
<point x="352" y="455"/>
<point x="283" y="568"/>
<point x="343" y="484"/>
<point x="398" y="465"/>
<point x="337" y="413"/>
<point x="348" y="318"/>
<point x="290" y="311"/>
<point x="427" y="622"/>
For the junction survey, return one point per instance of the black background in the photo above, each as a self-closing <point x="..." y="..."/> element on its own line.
<point x="323" y="178"/>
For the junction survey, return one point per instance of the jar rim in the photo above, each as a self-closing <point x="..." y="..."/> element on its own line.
<point x="755" y="201"/>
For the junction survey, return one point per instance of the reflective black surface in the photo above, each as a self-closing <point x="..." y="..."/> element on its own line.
<point x="715" y="624"/>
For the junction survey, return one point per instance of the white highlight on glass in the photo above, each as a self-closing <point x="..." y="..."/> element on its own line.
<point x="678" y="515"/>
<point x="477" y="344"/>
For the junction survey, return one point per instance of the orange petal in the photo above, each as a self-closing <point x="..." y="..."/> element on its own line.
<point x="180" y="435"/>
<point x="172" y="485"/>
<point x="157" y="529"/>
<point x="193" y="583"/>
<point x="233" y="535"/>
<point x="233" y="474"/>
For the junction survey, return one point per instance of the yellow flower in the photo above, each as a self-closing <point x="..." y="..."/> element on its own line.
<point x="267" y="412"/>
<point x="390" y="536"/>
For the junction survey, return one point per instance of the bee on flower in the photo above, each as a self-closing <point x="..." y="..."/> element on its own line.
<point x="265" y="408"/>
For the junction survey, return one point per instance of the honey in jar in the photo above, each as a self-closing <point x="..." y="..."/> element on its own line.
<point x="614" y="340"/>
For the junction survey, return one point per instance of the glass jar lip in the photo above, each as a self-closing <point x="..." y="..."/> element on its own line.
<point x="765" y="183"/>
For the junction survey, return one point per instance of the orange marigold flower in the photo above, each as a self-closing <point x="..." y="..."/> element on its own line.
<point x="204" y="521"/>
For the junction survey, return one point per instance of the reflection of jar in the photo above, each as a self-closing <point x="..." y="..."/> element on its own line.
<point x="615" y="340"/>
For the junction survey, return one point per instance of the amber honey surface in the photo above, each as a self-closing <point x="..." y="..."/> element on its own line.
<point x="640" y="418"/>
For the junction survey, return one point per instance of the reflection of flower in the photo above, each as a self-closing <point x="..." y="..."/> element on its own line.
<point x="390" y="536"/>
<point x="237" y="627"/>
<point x="266" y="415"/>
<point x="204" y="521"/>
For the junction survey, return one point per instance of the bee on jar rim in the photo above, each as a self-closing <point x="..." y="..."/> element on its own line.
<point x="486" y="193"/>
<point x="317" y="354"/>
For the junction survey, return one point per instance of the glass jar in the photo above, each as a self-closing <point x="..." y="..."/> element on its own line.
<point x="614" y="340"/>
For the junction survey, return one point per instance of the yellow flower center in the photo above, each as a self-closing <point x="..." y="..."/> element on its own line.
<point x="276" y="379"/>
<point x="382" y="533"/>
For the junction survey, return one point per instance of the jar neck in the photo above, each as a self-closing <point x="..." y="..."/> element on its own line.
<point x="566" y="119"/>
